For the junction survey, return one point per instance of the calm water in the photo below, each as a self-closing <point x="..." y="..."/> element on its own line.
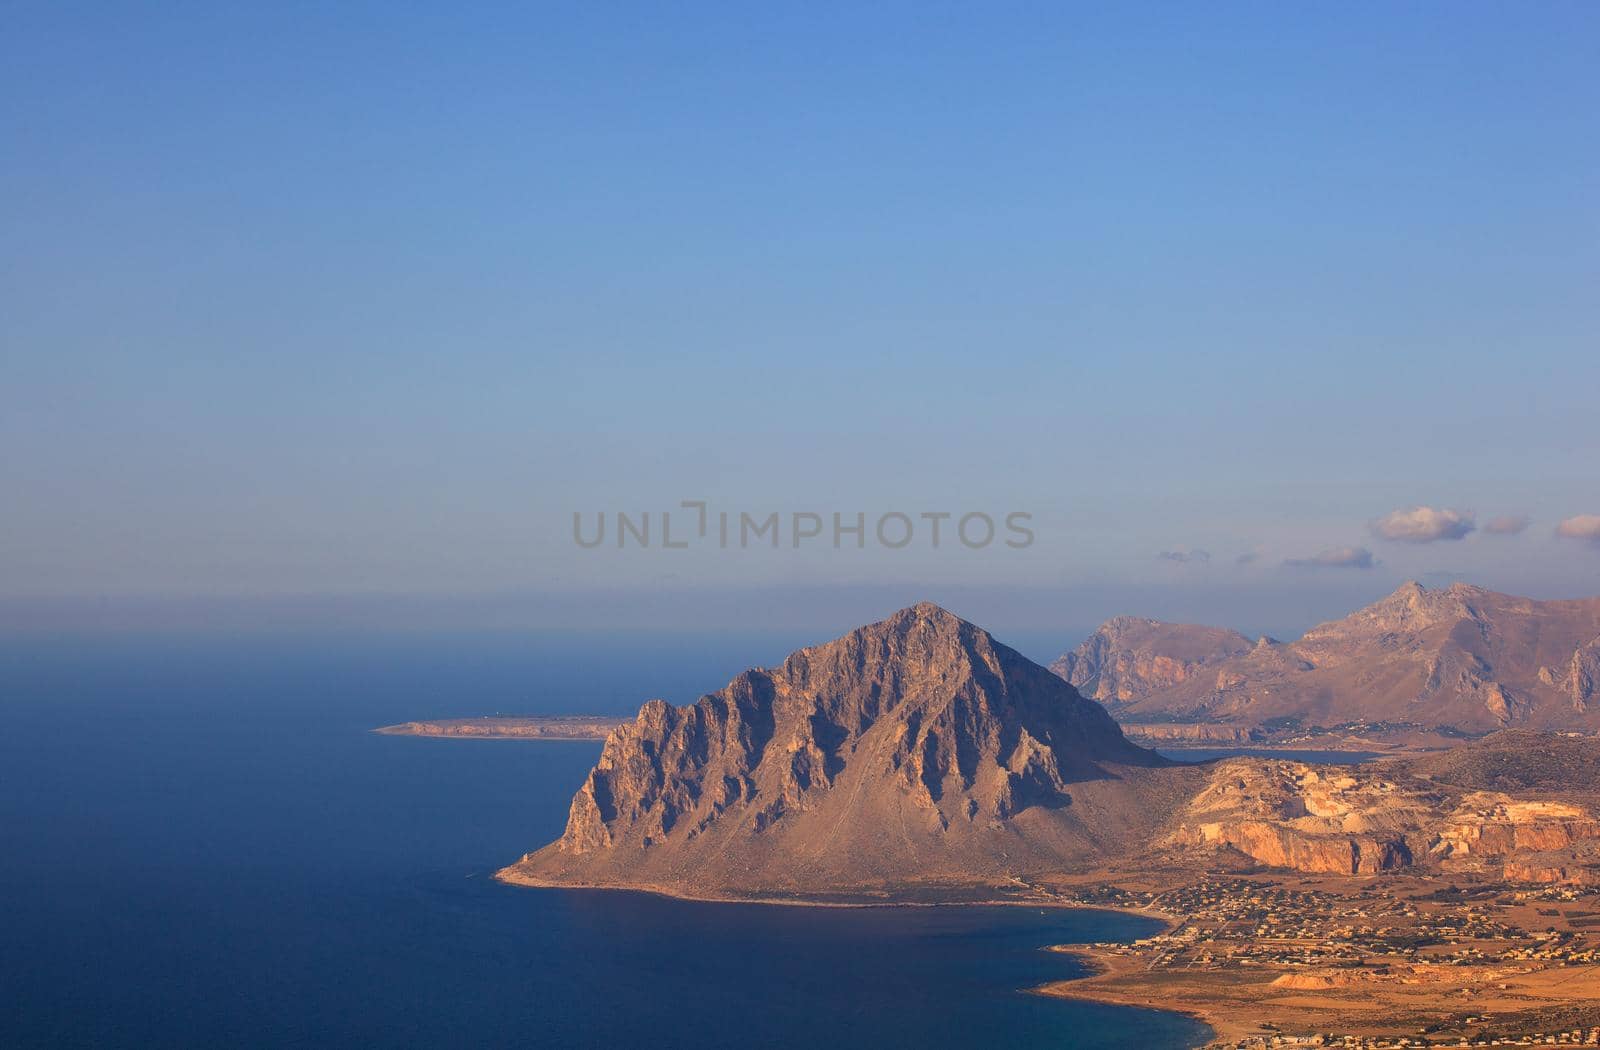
<point x="1337" y="758"/>
<point x="201" y="845"/>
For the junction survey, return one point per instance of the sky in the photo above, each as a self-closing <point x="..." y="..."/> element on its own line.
<point x="334" y="314"/>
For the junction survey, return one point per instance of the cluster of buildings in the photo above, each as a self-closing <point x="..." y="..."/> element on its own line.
<point x="1377" y="932"/>
<point x="1240" y="922"/>
<point x="1570" y="1037"/>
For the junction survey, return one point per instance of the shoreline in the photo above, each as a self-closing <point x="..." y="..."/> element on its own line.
<point x="1432" y="995"/>
<point x="1078" y="952"/>
<point x="1223" y="1028"/>
<point x="597" y="727"/>
<point x="592" y="728"/>
<point x="816" y="902"/>
<point x="1273" y="988"/>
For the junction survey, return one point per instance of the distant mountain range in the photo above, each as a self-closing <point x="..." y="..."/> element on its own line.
<point x="1459" y="660"/>
<point x="919" y="751"/>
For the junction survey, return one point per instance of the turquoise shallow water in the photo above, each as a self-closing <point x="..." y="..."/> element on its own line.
<point x="201" y="845"/>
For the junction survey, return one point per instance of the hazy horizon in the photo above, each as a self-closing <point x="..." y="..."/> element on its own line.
<point x="341" y="316"/>
<point x="1042" y="622"/>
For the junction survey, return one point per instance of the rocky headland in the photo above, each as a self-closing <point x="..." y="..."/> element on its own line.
<point x="914" y="749"/>
<point x="919" y="759"/>
<point x="920" y="750"/>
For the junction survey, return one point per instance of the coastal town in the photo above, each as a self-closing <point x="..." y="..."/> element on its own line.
<point x="1283" y="961"/>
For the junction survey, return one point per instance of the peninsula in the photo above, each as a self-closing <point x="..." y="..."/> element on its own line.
<point x="1423" y="898"/>
<point x="501" y="727"/>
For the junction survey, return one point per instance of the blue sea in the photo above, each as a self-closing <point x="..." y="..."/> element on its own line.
<point x="202" y="845"/>
<point x="1321" y="758"/>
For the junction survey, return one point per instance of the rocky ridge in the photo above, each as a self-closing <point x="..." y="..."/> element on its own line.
<point x="1129" y="657"/>
<point x="1462" y="659"/>
<point x="918" y="746"/>
<point x="920" y="750"/>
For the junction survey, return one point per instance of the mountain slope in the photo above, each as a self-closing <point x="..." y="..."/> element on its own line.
<point x="1496" y="809"/>
<point x="914" y="748"/>
<point x="1129" y="657"/>
<point x="1462" y="658"/>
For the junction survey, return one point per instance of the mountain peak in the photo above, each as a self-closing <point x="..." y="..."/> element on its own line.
<point x="1410" y="594"/>
<point x="921" y="613"/>
<point x="1129" y="657"/>
<point x="919" y="639"/>
<point x="921" y="722"/>
<point x="1461" y="657"/>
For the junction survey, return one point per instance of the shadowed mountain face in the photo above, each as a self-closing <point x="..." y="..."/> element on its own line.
<point x="1461" y="658"/>
<point x="918" y="747"/>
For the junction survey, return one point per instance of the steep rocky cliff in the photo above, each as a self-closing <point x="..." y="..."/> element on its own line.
<point x="912" y="748"/>
<point x="1442" y="812"/>
<point x="1311" y="818"/>
<point x="1128" y="657"/>
<point x="1461" y="659"/>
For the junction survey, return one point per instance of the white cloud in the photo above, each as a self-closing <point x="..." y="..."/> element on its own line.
<point x="1424" y="525"/>
<point x="1582" y="527"/>
<point x="1337" y="558"/>
<point x="1507" y="525"/>
<point x="1184" y="557"/>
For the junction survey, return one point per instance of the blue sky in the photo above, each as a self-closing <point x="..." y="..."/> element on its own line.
<point x="306" y="302"/>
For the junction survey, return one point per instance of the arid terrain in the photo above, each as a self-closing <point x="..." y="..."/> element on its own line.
<point x="1282" y="960"/>
<point x="1429" y="897"/>
<point x="1421" y="667"/>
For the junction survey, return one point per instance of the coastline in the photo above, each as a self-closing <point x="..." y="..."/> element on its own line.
<point x="598" y="727"/>
<point x="1224" y="1028"/>
<point x="593" y="728"/>
<point x="1503" y="980"/>
<point x="1272" y="990"/>
<point x="1081" y="953"/>
<point x="512" y="878"/>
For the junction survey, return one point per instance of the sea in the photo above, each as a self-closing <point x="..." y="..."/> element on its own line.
<point x="1288" y="754"/>
<point x="203" y="845"/>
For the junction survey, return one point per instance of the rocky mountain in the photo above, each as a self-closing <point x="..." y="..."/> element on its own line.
<point x="1461" y="659"/>
<point x="915" y="748"/>
<point x="921" y="752"/>
<point x="1129" y="658"/>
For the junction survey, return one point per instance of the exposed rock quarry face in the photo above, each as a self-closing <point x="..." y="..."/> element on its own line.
<point x="1367" y="819"/>
<point x="1292" y="815"/>
<point x="1279" y="847"/>
<point x="1129" y="658"/>
<point x="1549" y="873"/>
<point x="906" y="748"/>
<point x="1461" y="658"/>
<point x="1491" y="824"/>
